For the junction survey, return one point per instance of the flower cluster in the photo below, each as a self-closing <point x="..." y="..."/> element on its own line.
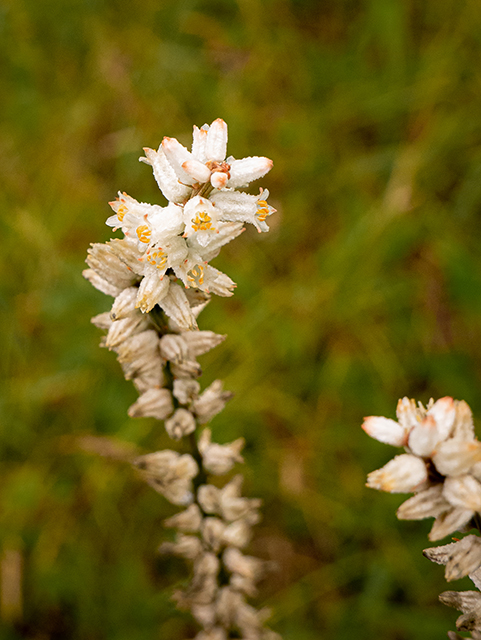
<point x="442" y="467"/>
<point x="160" y="279"/>
<point x="165" y="246"/>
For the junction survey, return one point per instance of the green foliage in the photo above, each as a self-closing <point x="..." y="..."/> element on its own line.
<point x="368" y="288"/>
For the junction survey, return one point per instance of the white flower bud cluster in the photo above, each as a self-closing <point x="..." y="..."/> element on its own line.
<point x="160" y="279"/>
<point x="442" y="467"/>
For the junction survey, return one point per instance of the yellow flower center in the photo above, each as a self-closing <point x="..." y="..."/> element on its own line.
<point x="143" y="233"/>
<point x="122" y="210"/>
<point x="157" y="258"/>
<point x="202" y="222"/>
<point x="262" y="210"/>
<point x="196" y="275"/>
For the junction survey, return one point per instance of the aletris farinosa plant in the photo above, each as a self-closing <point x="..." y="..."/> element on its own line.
<point x="442" y="467"/>
<point x="160" y="277"/>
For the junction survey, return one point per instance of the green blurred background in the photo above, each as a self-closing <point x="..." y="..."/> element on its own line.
<point x="367" y="288"/>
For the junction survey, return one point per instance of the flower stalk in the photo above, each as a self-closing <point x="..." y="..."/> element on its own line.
<point x="160" y="277"/>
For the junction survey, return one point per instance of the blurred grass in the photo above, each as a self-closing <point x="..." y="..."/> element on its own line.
<point x="367" y="288"/>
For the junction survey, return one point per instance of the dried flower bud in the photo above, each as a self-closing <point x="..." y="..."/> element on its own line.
<point x="173" y="347"/>
<point x="453" y="520"/>
<point x="461" y="558"/>
<point x="180" y="424"/>
<point x="124" y="304"/>
<point x="170" y="474"/>
<point x="186" y="369"/>
<point x="200" y="342"/>
<point x="219" y="458"/>
<point x="109" y="267"/>
<point x="189" y="520"/>
<point x="154" y="403"/>
<point x="211" y="402"/>
<point x="189" y="547"/>
<point x="100" y="283"/>
<point x="425" y="504"/>
<point x="149" y="378"/>
<point x="212" y="533"/>
<point x="176" y="306"/>
<point x="121" y="330"/>
<point x="185" y="390"/>
<point x="102" y="321"/>
<point x="237" y="534"/>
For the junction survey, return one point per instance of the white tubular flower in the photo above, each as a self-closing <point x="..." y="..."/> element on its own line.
<point x="235" y="206"/>
<point x="402" y="474"/>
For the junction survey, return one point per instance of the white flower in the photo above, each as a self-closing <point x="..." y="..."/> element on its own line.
<point x="235" y="206"/>
<point x="201" y="218"/>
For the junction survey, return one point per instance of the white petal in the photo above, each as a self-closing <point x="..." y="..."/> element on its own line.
<point x="216" y="145"/>
<point x="196" y="170"/>
<point x="424" y="437"/>
<point x="248" y="169"/>
<point x="408" y="413"/>
<point x="385" y="430"/>
<point x="165" y="176"/>
<point x="444" y="412"/>
<point x="177" y="154"/>
<point x="463" y="426"/>
<point x="198" y="142"/>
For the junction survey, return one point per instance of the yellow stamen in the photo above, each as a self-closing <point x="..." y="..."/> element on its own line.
<point x="196" y="275"/>
<point x="121" y="212"/>
<point x="202" y="222"/>
<point x="157" y="258"/>
<point x="262" y="210"/>
<point x="143" y="233"/>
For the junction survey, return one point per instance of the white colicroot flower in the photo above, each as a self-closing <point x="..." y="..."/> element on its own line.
<point x="442" y="467"/>
<point x="160" y="278"/>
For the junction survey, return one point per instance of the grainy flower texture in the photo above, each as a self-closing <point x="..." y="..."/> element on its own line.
<point x="442" y="467"/>
<point x="160" y="277"/>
